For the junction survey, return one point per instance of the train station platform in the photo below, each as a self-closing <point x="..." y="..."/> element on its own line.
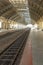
<point x="33" y="52"/>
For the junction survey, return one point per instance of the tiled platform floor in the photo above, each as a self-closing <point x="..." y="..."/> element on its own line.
<point x="33" y="52"/>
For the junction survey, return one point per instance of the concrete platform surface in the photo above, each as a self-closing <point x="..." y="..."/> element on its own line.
<point x="37" y="47"/>
<point x="33" y="52"/>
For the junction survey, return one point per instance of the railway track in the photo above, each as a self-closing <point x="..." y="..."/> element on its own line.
<point x="7" y="40"/>
<point x="11" y="55"/>
<point x="9" y="34"/>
